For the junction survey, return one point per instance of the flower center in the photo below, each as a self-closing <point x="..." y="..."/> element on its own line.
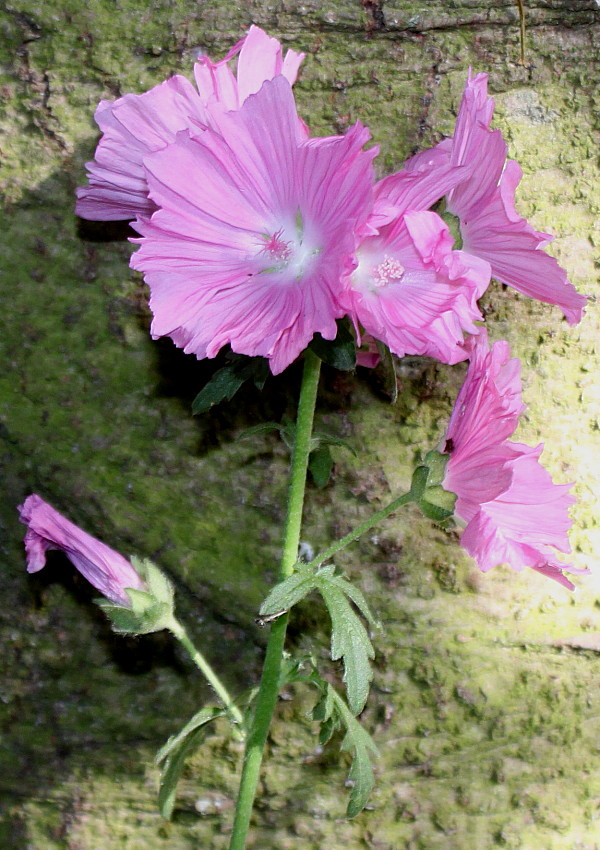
<point x="277" y="248"/>
<point x="288" y="250"/>
<point x="388" y="271"/>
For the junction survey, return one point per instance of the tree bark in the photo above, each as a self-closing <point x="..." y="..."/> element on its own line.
<point x="485" y="703"/>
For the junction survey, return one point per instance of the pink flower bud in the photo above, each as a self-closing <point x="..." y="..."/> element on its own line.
<point x="107" y="570"/>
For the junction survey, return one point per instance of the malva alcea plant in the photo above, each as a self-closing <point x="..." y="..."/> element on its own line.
<point x="255" y="236"/>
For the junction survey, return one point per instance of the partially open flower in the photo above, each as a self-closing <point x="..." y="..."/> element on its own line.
<point x="514" y="512"/>
<point x="107" y="570"/>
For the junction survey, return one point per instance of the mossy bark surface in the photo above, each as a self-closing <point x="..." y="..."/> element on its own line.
<point x="485" y="703"/>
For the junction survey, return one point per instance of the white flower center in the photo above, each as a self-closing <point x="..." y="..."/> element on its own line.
<point x="373" y="273"/>
<point x="288" y="250"/>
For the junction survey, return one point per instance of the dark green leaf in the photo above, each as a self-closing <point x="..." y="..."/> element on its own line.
<point x="339" y="352"/>
<point x="222" y="386"/>
<point x="226" y="381"/>
<point x="320" y="464"/>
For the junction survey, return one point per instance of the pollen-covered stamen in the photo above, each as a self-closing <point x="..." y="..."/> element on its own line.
<point x="389" y="271"/>
<point x="277" y="248"/>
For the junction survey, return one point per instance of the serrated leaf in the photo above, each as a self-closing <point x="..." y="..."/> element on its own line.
<point x="329" y="575"/>
<point x="358" y="742"/>
<point x="320" y="464"/>
<point x="288" y="592"/>
<point x="171" y="757"/>
<point x="339" y="352"/>
<point x="226" y="381"/>
<point x="222" y="387"/>
<point x="350" y="642"/>
<point x="322" y="438"/>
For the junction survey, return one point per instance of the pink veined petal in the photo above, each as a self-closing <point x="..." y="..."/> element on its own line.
<point x="513" y="248"/>
<point x="132" y="126"/>
<point x="136" y="125"/>
<point x="260" y="59"/>
<point x="515" y="514"/>
<point x="107" y="570"/>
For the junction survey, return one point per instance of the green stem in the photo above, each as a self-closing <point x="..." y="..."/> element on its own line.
<point x="178" y="631"/>
<point x="361" y="529"/>
<point x="266" y="699"/>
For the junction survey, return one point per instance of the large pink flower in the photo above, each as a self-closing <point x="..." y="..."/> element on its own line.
<point x="254" y="229"/>
<point x="514" y="513"/>
<point x="105" y="569"/>
<point x="483" y="199"/>
<point x="135" y="125"/>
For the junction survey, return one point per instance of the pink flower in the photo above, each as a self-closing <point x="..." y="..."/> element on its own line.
<point x="254" y="230"/>
<point x="483" y="199"/>
<point x="135" y="125"/>
<point x="104" y="568"/>
<point x="514" y="513"/>
<point x="409" y="288"/>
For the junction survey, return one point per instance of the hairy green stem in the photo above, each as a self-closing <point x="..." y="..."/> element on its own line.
<point x="178" y="631"/>
<point x="365" y="526"/>
<point x="266" y="699"/>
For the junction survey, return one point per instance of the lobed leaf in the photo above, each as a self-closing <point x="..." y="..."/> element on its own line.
<point x="350" y="642"/>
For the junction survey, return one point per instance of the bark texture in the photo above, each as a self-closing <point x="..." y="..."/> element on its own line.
<point x="485" y="704"/>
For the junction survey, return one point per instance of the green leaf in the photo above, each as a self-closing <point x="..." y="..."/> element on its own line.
<point x="320" y="464"/>
<point x="339" y="352"/>
<point x="226" y="381"/>
<point x="263" y="428"/>
<point x="350" y="642"/>
<point x="171" y="757"/>
<point x="321" y="438"/>
<point x="356" y="741"/>
<point x="288" y="592"/>
<point x="329" y="574"/>
<point x="223" y="385"/>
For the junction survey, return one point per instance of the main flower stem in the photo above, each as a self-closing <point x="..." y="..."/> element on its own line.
<point x="269" y="685"/>
<point x="178" y="631"/>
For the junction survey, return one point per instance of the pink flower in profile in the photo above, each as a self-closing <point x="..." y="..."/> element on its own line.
<point x="105" y="569"/>
<point x="254" y="230"/>
<point x="135" y="125"/>
<point x="483" y="199"/>
<point x="513" y="511"/>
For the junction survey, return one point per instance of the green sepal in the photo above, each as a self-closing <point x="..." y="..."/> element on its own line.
<point x="339" y="352"/>
<point x="150" y="610"/>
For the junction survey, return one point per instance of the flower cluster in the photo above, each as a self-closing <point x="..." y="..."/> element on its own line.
<point x="256" y="235"/>
<point x="253" y="234"/>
